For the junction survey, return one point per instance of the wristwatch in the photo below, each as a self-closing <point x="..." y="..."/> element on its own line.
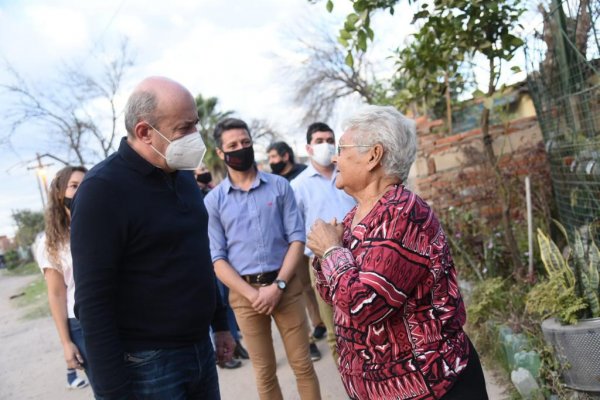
<point x="281" y="284"/>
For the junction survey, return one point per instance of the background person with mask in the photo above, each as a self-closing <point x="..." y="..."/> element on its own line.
<point x="256" y="242"/>
<point x="281" y="161"/>
<point x="204" y="180"/>
<point x="318" y="198"/>
<point x="53" y="255"/>
<point x="146" y="292"/>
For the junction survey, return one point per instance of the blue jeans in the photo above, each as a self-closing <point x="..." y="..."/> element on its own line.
<point x="184" y="373"/>
<point x="76" y="334"/>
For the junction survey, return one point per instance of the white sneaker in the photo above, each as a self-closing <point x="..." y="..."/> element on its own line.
<point x="77" y="383"/>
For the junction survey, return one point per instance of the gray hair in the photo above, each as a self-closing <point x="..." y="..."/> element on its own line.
<point x="388" y="127"/>
<point x="140" y="105"/>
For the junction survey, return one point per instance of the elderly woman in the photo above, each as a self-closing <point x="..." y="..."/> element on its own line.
<point x="388" y="273"/>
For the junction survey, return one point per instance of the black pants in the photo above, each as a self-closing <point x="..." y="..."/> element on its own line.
<point x="471" y="383"/>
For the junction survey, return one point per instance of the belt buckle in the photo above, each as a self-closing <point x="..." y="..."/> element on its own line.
<point x="259" y="279"/>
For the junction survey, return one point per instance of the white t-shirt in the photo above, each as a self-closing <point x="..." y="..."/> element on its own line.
<point x="65" y="267"/>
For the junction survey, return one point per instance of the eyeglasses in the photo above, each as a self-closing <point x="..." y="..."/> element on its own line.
<point x="339" y="147"/>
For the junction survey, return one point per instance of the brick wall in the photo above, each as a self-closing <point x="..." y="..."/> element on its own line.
<point x="5" y="244"/>
<point x="452" y="170"/>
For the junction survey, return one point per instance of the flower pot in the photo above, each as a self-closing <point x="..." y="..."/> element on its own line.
<point x="577" y="348"/>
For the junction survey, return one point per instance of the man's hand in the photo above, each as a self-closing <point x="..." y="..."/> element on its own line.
<point x="268" y="298"/>
<point x="225" y="345"/>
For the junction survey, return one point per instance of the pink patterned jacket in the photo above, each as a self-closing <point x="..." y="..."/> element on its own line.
<point x="398" y="311"/>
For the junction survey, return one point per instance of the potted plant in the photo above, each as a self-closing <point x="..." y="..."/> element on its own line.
<point x="569" y="302"/>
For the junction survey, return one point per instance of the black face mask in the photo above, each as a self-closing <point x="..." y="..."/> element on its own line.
<point x="278" y="167"/>
<point x="67" y="202"/>
<point x="240" y="160"/>
<point x="204" y="177"/>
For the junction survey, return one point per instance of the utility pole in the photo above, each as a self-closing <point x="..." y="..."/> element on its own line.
<point x="41" y="178"/>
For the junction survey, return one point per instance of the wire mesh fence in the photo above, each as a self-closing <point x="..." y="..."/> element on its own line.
<point x="563" y="62"/>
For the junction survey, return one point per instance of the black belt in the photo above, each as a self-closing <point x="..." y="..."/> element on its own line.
<point x="264" y="278"/>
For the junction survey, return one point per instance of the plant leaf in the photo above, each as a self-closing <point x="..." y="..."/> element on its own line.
<point x="553" y="260"/>
<point x="349" y="59"/>
<point x="329" y="5"/>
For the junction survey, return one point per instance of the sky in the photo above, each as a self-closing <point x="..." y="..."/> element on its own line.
<point x="234" y="50"/>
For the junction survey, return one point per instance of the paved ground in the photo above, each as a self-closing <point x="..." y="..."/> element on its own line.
<point x="32" y="367"/>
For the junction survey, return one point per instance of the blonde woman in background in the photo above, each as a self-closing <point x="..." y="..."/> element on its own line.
<point x="53" y="255"/>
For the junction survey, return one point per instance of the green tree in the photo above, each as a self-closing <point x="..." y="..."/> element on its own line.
<point x="29" y="224"/>
<point x="357" y="27"/>
<point x="451" y="31"/>
<point x="208" y="116"/>
<point x="488" y="30"/>
<point x="431" y="66"/>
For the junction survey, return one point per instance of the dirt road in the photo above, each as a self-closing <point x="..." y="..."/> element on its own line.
<point x="32" y="367"/>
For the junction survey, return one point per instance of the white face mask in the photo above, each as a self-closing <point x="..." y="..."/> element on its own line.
<point x="322" y="153"/>
<point x="185" y="153"/>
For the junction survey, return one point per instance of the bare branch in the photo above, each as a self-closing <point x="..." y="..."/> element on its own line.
<point x="323" y="77"/>
<point x="263" y="132"/>
<point x="67" y="108"/>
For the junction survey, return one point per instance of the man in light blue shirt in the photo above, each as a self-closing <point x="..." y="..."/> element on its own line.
<point x="256" y="240"/>
<point x="317" y="197"/>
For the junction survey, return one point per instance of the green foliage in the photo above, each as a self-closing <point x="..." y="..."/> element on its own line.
<point x="571" y="290"/>
<point x="501" y="302"/>
<point x="29" y="224"/>
<point x="329" y="5"/>
<point x="486" y="25"/>
<point x="431" y="64"/>
<point x="478" y="247"/>
<point x="208" y="116"/>
<point x="451" y="31"/>
<point x="357" y="28"/>
<point x="587" y="264"/>
<point x="488" y="300"/>
<point x="11" y="258"/>
<point x="492" y="303"/>
<point x="19" y="269"/>
<point x="550" y="298"/>
<point x="497" y="300"/>
<point x="35" y="299"/>
<point x="555" y="263"/>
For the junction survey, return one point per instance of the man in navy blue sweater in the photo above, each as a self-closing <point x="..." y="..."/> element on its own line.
<point x="145" y="285"/>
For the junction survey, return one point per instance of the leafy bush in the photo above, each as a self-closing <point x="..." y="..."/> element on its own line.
<point x="478" y="246"/>
<point x="571" y="291"/>
<point x="496" y="302"/>
<point x="550" y="298"/>
<point x="489" y="300"/>
<point x="29" y="224"/>
<point x="11" y="258"/>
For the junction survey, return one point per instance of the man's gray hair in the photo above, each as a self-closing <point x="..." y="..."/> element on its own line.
<point x="395" y="132"/>
<point x="140" y="105"/>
